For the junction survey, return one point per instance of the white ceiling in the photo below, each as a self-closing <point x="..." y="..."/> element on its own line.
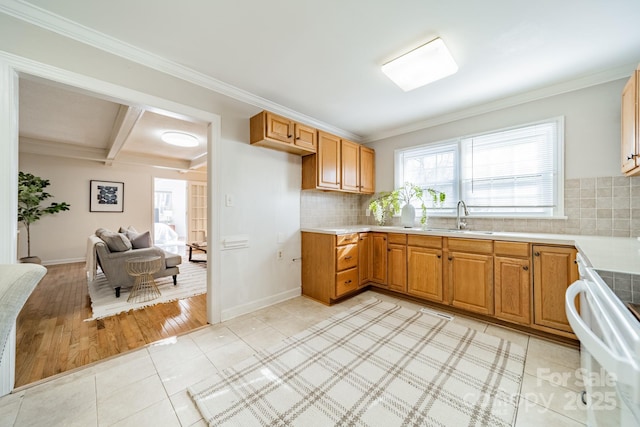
<point x="321" y="59"/>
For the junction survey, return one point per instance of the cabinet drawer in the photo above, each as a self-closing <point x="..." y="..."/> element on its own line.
<point x="346" y="281"/>
<point x="519" y="249"/>
<point x="471" y="245"/>
<point x="346" y="239"/>
<point x="346" y="257"/>
<point x="424" y="241"/>
<point x="398" y="239"/>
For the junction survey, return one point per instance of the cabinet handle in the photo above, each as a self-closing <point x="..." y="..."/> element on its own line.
<point x="631" y="156"/>
<point x="450" y="258"/>
<point x="348" y="257"/>
<point x="525" y="268"/>
<point x="289" y="136"/>
<point x="298" y="137"/>
<point x="537" y="254"/>
<point x="347" y="282"/>
<point x="439" y="256"/>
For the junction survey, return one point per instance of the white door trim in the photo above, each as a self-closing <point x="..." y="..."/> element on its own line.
<point x="10" y="67"/>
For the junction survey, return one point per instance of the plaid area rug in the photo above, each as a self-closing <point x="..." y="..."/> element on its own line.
<point x="377" y="364"/>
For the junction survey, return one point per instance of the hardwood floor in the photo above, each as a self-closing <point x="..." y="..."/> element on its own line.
<point x="52" y="336"/>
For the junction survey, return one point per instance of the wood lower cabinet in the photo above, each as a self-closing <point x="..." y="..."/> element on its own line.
<point x="512" y="287"/>
<point x="424" y="273"/>
<point x="512" y="281"/>
<point x="365" y="264"/>
<point x="470" y="275"/>
<point x="329" y="265"/>
<point x="397" y="262"/>
<point x="424" y="267"/>
<point x="554" y="269"/>
<point x="379" y="259"/>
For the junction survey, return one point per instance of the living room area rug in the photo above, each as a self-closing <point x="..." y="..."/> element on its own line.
<point x="377" y="364"/>
<point x="192" y="281"/>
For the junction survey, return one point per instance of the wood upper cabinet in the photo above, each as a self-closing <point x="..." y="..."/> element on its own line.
<point x="470" y="275"/>
<point x="367" y="170"/>
<point x="554" y="269"/>
<point x="322" y="170"/>
<point x="397" y="262"/>
<point x="339" y="165"/>
<point x="379" y="258"/>
<point x="350" y="166"/>
<point x="278" y="132"/>
<point x="630" y="124"/>
<point x="365" y="265"/>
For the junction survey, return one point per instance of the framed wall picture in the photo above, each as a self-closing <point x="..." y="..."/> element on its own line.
<point x="106" y="196"/>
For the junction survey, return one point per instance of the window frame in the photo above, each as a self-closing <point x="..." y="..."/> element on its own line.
<point x="556" y="212"/>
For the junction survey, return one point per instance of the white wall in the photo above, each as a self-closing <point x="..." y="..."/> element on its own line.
<point x="592" y="131"/>
<point x="265" y="187"/>
<point x="62" y="237"/>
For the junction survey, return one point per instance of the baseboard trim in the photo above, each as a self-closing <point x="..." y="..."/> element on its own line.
<point x="261" y="303"/>
<point x="63" y="261"/>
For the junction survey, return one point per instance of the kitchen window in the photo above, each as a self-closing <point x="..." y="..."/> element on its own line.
<point x="504" y="173"/>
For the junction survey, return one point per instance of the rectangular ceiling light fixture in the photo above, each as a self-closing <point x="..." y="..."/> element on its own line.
<point x="425" y="64"/>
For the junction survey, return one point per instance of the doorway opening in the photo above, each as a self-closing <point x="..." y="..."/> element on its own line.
<point x="170" y="214"/>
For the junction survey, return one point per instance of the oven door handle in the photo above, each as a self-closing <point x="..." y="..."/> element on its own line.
<point x="612" y="362"/>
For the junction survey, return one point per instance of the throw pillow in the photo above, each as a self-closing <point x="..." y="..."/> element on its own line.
<point x="116" y="242"/>
<point x="140" y="240"/>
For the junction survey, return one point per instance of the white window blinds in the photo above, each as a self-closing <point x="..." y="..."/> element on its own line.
<point x="512" y="170"/>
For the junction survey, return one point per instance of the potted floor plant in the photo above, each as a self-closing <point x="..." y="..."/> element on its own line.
<point x="31" y="194"/>
<point x="389" y="204"/>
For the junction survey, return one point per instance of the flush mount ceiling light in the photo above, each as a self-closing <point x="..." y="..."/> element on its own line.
<point x="180" y="139"/>
<point x="425" y="64"/>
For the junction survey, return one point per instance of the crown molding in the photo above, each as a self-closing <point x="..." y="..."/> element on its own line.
<point x="42" y="18"/>
<point x="616" y="73"/>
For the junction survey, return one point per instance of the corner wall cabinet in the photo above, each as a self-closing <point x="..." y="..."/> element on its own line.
<point x="339" y="165"/>
<point x="280" y="133"/>
<point x="492" y="278"/>
<point x="630" y="124"/>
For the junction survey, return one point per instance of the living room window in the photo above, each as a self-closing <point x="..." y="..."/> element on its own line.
<point x="508" y="172"/>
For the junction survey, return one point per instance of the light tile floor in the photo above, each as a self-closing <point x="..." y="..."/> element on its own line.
<point x="147" y="387"/>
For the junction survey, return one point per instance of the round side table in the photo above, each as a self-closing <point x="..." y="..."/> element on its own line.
<point x="144" y="287"/>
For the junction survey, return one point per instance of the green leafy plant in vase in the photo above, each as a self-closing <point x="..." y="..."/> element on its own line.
<point x="30" y="196"/>
<point x="388" y="204"/>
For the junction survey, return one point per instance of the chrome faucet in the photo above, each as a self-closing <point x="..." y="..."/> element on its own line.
<point x="460" y="223"/>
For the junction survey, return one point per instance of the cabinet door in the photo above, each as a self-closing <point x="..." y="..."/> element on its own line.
<point x="513" y="289"/>
<point x="367" y="170"/>
<point x="365" y="266"/>
<point x="397" y="267"/>
<point x="379" y="258"/>
<point x="424" y="273"/>
<point x="350" y="166"/>
<point x="305" y="137"/>
<point x="629" y="150"/>
<point x="328" y="167"/>
<point x="554" y="269"/>
<point x="471" y="282"/>
<point x="279" y="128"/>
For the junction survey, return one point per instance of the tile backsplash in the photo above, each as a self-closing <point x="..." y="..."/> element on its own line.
<point x="604" y="206"/>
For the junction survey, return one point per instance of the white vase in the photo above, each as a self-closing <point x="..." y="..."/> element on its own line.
<point x="408" y="217"/>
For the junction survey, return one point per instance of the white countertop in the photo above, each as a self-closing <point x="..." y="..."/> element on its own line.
<point x="617" y="254"/>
